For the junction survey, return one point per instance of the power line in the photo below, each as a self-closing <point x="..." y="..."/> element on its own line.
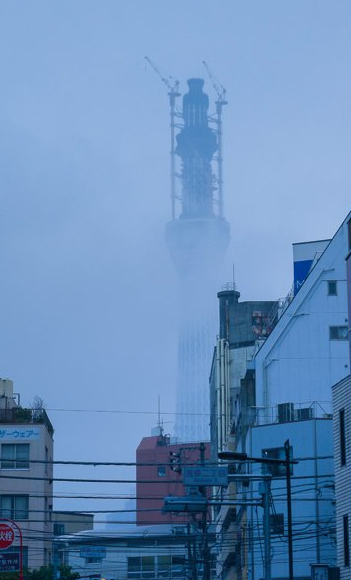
<point x="118" y="412"/>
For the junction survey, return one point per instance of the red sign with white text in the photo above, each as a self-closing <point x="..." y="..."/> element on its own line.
<point x="6" y="536"/>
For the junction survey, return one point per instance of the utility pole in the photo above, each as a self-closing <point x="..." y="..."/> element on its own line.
<point x="266" y="526"/>
<point x="196" y="547"/>
<point x="205" y="550"/>
<point x="234" y="456"/>
<point x="288" y="498"/>
<point x="55" y="560"/>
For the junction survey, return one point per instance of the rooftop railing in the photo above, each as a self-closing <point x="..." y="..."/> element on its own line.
<point x="291" y="412"/>
<point x="26" y="416"/>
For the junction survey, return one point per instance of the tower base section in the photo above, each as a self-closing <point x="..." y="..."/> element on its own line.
<point x="197" y="246"/>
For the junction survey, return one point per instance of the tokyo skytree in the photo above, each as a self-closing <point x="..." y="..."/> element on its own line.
<point x="197" y="238"/>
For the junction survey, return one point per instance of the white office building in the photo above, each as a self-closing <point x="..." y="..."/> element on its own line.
<point x="307" y="351"/>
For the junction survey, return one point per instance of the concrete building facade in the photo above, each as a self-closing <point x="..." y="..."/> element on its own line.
<point x="342" y="447"/>
<point x="26" y="496"/>
<point x="313" y="499"/>
<point x="286" y="386"/>
<point x="307" y="351"/>
<point x="69" y="522"/>
<point x="158" y="475"/>
<point x="242" y="327"/>
<point x="136" y="553"/>
<point x="342" y="456"/>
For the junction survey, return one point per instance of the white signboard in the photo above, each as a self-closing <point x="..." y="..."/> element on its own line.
<point x="93" y="552"/>
<point x="20" y="434"/>
<point x="205" y="475"/>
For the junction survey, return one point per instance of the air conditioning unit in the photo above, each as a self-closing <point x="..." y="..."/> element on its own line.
<point x="304" y="414"/>
<point x="285" y="412"/>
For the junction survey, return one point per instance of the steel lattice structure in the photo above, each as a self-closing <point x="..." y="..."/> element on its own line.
<point x="197" y="238"/>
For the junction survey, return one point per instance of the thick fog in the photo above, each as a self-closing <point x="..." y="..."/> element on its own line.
<point x="89" y="293"/>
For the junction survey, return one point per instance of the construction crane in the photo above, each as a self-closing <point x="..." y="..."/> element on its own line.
<point x="173" y="92"/>
<point x="220" y="90"/>
<point x="220" y="102"/>
<point x="167" y="80"/>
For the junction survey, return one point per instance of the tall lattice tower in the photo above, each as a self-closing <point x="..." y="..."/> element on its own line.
<point x="197" y="238"/>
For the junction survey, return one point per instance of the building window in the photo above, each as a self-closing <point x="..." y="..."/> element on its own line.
<point x="346" y="541"/>
<point x="59" y="529"/>
<point x="161" y="567"/>
<point x="275" y="469"/>
<point x="141" y="567"/>
<point x="338" y="333"/>
<point x="161" y="471"/>
<point x="15" y="456"/>
<point x="332" y="288"/>
<point x="93" y="560"/>
<point x="14" y="507"/>
<point x="177" y="567"/>
<point x="342" y="437"/>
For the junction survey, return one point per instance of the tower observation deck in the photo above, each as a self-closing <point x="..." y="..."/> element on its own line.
<point x="197" y="238"/>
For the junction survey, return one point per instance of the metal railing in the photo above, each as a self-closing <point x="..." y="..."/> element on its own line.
<point x="22" y="415"/>
<point x="291" y="412"/>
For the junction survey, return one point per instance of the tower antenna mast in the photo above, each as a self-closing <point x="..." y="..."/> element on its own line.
<point x="173" y="92"/>
<point x="220" y="102"/>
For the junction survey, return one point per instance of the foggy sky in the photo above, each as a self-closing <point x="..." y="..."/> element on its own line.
<point x="88" y="293"/>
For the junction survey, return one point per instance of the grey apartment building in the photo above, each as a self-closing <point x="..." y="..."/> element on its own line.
<point x="26" y="493"/>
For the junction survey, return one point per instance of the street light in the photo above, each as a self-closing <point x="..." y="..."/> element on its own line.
<point x="234" y="456"/>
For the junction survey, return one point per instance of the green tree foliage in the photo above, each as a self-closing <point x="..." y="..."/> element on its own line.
<point x="43" y="573"/>
<point x="47" y="573"/>
<point x="9" y="575"/>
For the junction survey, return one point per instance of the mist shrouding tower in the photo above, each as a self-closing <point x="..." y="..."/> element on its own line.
<point x="197" y="239"/>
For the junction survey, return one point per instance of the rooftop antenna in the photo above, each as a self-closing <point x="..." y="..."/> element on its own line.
<point x="173" y="92"/>
<point x="220" y="102"/>
<point x="159" y="420"/>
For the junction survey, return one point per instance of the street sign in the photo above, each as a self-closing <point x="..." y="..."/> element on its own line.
<point x="188" y="503"/>
<point x="205" y="475"/>
<point x="93" y="552"/>
<point x="9" y="561"/>
<point x="6" y="536"/>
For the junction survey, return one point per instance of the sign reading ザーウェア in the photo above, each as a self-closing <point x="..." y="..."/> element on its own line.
<point x="19" y="434"/>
